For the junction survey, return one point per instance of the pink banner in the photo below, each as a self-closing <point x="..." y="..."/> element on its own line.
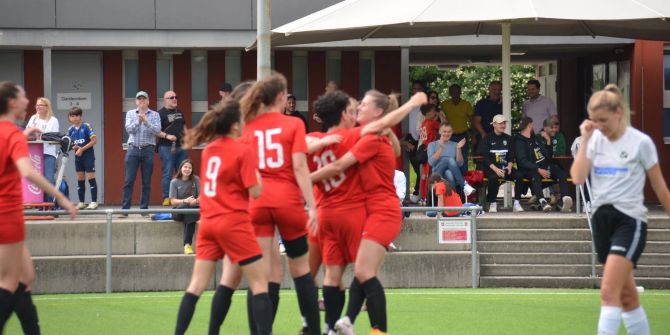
<point x="32" y="193"/>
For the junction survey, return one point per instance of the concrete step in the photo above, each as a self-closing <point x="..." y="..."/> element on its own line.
<point x="564" y="234"/>
<point x="530" y="220"/>
<point x="555" y="246"/>
<point x="78" y="274"/>
<point x="563" y="282"/>
<point x="487" y="258"/>
<point x="129" y="236"/>
<point x="565" y="270"/>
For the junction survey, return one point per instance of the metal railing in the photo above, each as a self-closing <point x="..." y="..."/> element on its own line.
<point x="109" y="218"/>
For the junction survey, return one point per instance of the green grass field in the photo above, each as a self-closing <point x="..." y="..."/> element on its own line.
<point x="411" y="311"/>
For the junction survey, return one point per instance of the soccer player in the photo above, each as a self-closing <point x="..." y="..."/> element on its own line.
<point x="376" y="158"/>
<point x="618" y="157"/>
<point x="279" y="141"/>
<point x="16" y="267"/>
<point x="229" y="177"/>
<point x="84" y="139"/>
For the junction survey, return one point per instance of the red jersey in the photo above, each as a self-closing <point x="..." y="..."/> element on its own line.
<point x="448" y="200"/>
<point x="311" y="164"/>
<point x="376" y="161"/>
<point x="13" y="148"/>
<point x="429" y="131"/>
<point x="344" y="189"/>
<point x="227" y="171"/>
<point x="275" y="138"/>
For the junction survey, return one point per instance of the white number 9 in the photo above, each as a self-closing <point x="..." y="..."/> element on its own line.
<point x="213" y="165"/>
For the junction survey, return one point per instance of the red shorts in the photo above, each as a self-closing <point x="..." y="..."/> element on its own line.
<point x="383" y="225"/>
<point x="12" y="229"/>
<point x="228" y="234"/>
<point x="291" y="222"/>
<point x="340" y="231"/>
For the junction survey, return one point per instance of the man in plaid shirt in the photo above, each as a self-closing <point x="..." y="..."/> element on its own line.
<point x="142" y="125"/>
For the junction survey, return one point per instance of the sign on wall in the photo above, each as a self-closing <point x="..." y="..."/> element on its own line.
<point x="452" y="231"/>
<point x="65" y="101"/>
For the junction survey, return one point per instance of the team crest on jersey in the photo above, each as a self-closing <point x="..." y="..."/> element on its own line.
<point x="623" y="155"/>
<point x="504" y="142"/>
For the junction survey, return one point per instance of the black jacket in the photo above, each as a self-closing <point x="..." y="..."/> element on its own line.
<point x="172" y="123"/>
<point x="497" y="150"/>
<point x="531" y="154"/>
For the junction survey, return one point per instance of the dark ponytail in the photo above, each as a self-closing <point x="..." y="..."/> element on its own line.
<point x="214" y="123"/>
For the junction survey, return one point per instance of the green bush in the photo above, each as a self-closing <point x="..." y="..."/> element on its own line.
<point x="474" y="81"/>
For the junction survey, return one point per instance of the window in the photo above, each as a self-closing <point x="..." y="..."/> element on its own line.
<point x="300" y="76"/>
<point x="131" y="83"/>
<point x="11" y="66"/>
<point x="163" y="77"/>
<point x="599" y="77"/>
<point x="200" y="104"/>
<point x="233" y="67"/>
<point x="333" y="67"/>
<point x="366" y="79"/>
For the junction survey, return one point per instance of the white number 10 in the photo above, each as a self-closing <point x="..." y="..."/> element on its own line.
<point x="265" y="143"/>
<point x="212" y="173"/>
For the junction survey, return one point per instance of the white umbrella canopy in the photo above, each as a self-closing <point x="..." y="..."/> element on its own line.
<point x="362" y="19"/>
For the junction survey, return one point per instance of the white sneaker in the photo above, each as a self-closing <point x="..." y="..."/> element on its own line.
<point x="517" y="207"/>
<point x="467" y="189"/>
<point x="93" y="205"/>
<point x="493" y="207"/>
<point x="414" y="198"/>
<point x="81" y="205"/>
<point x="344" y="326"/>
<point x="567" y="204"/>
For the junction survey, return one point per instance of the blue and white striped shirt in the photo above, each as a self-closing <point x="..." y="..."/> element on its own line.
<point x="142" y="134"/>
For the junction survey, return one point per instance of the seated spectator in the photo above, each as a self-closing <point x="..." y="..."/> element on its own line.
<point x="550" y="136"/>
<point x="428" y="132"/>
<point x="534" y="163"/>
<point x="446" y="194"/>
<point x="499" y="164"/>
<point x="184" y="193"/>
<point x="445" y="157"/>
<point x="459" y="112"/>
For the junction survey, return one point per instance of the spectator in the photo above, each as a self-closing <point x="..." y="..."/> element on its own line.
<point x="459" y="113"/>
<point x="142" y="125"/>
<point x="169" y="144"/>
<point x="534" y="163"/>
<point x="410" y="141"/>
<point x="84" y="138"/>
<point x="445" y="157"/>
<point x="400" y="183"/>
<point x="428" y="132"/>
<point x="446" y="194"/>
<point x="224" y="91"/>
<point x="289" y="109"/>
<point x="538" y="107"/>
<point x="486" y="109"/>
<point x="331" y="86"/>
<point x="185" y="193"/>
<point x="498" y="153"/>
<point x="551" y="137"/>
<point x="434" y="99"/>
<point x="45" y="121"/>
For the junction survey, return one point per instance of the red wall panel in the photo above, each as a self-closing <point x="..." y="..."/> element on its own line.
<point x="112" y="70"/>
<point x="216" y="73"/>
<point x="33" y="77"/>
<point x="248" y="64"/>
<point x="284" y="65"/>
<point x="387" y="80"/>
<point x="350" y="73"/>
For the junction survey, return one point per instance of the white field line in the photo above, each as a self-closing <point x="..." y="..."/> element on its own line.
<point x="291" y="292"/>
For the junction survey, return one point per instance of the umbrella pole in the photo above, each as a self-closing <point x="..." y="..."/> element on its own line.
<point x="507" y="93"/>
<point x="263" y="10"/>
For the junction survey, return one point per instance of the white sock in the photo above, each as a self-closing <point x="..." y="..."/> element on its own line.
<point x="636" y="322"/>
<point x="304" y="321"/>
<point x="610" y="320"/>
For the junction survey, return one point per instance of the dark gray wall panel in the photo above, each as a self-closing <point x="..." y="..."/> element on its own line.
<point x="106" y="14"/>
<point x="27" y="14"/>
<point x="285" y="11"/>
<point x="203" y="14"/>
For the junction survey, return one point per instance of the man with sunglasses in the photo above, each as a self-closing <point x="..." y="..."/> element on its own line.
<point x="170" y="141"/>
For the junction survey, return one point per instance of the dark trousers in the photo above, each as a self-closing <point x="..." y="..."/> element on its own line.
<point x="414" y="162"/>
<point x="494" y="183"/>
<point x="143" y="159"/>
<point x="557" y="173"/>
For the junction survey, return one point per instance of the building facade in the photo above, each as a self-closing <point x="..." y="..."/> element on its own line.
<point x="98" y="54"/>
